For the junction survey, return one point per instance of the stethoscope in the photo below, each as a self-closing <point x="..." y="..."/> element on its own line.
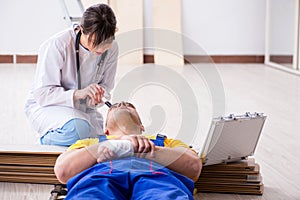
<point x="77" y="40"/>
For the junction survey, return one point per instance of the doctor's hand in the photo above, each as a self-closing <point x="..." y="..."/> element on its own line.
<point x="92" y="93"/>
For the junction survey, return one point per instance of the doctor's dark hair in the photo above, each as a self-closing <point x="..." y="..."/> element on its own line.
<point x="99" y="21"/>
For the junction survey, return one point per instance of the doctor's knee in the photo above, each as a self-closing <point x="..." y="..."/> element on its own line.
<point x="68" y="134"/>
<point x="79" y="128"/>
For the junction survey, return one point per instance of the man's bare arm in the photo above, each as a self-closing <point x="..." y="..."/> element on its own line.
<point x="178" y="159"/>
<point x="75" y="161"/>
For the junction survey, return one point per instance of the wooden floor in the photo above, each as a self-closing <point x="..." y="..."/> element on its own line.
<point x="247" y="87"/>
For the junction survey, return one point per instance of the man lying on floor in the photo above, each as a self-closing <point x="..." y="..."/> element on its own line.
<point x="124" y="164"/>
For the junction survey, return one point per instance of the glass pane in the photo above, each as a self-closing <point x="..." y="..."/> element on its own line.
<point x="282" y="31"/>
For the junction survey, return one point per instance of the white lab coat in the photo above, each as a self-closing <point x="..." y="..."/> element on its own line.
<point x="50" y="101"/>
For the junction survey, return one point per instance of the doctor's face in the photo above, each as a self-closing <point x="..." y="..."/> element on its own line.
<point x="99" y="49"/>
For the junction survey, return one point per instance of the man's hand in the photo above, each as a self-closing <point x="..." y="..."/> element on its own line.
<point x="141" y="144"/>
<point x="92" y="93"/>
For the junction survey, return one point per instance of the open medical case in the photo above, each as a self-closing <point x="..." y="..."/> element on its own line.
<point x="227" y="167"/>
<point x="232" y="138"/>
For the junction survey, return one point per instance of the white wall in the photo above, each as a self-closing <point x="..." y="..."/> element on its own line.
<point x="220" y="27"/>
<point x="225" y="26"/>
<point x="26" y="24"/>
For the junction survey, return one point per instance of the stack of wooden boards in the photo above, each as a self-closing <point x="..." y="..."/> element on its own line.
<point x="241" y="177"/>
<point x="28" y="163"/>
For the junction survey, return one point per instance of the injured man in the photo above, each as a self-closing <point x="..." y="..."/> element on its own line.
<point x="124" y="164"/>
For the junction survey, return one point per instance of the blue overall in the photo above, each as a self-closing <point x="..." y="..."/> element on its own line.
<point x="130" y="178"/>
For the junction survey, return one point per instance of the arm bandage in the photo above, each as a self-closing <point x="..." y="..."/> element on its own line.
<point x="122" y="148"/>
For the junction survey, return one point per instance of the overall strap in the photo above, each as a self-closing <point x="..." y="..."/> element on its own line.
<point x="102" y="138"/>
<point x="160" y="140"/>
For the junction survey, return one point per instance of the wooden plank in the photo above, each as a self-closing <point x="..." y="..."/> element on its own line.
<point x="29" y="168"/>
<point x="238" y="189"/>
<point x="225" y="184"/>
<point x="257" y="179"/>
<point x="233" y="191"/>
<point x="38" y="155"/>
<point x="27" y="159"/>
<point x="248" y="164"/>
<point x="231" y="172"/>
<point x="129" y="14"/>
<point x="37" y="149"/>
<point x="167" y="15"/>
<point x="27" y="174"/>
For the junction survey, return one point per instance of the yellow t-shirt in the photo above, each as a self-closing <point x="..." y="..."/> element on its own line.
<point x="172" y="143"/>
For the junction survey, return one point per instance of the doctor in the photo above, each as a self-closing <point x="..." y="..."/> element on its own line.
<point x="75" y="70"/>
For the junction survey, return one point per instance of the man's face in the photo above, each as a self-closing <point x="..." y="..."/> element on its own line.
<point x="123" y="116"/>
<point x="123" y="105"/>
